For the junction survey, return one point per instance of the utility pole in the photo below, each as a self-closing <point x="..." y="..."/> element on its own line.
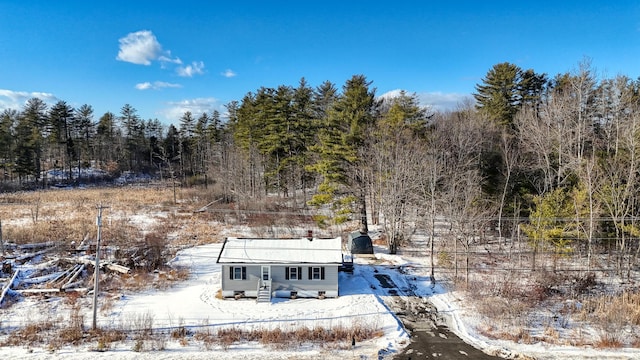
<point x="1" y="242"/>
<point x="96" y="274"/>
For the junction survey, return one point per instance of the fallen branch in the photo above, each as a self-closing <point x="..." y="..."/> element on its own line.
<point x="69" y="285"/>
<point x="32" y="255"/>
<point x="36" y="291"/>
<point x="43" y="279"/>
<point x="36" y="245"/>
<point x="9" y="285"/>
<point x="204" y="208"/>
<point x="61" y="275"/>
<point x="118" y="268"/>
<point x="78" y="272"/>
<point x="103" y="264"/>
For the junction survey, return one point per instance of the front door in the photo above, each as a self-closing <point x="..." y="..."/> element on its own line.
<point x="266" y="272"/>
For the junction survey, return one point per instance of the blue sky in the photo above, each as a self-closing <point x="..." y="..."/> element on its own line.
<point x="165" y="58"/>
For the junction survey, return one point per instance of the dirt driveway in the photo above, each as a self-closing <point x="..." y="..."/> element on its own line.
<point x="430" y="338"/>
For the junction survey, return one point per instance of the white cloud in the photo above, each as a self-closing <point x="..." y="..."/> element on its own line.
<point x="156" y="85"/>
<point x="197" y="106"/>
<point x="10" y="99"/>
<point x="440" y="101"/>
<point x="228" y="73"/>
<point x="196" y="68"/>
<point x="167" y="59"/>
<point x="140" y="47"/>
<point x="143" y="86"/>
<point x="437" y="100"/>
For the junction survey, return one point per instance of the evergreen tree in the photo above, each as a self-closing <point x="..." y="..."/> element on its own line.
<point x="171" y="143"/>
<point x="305" y="129"/>
<point x="276" y="140"/>
<point x="339" y="159"/>
<point x="532" y="88"/>
<point x="30" y="133"/>
<point x="498" y="97"/>
<point x="202" y="144"/>
<point x="134" y="136"/>
<point x="154" y="133"/>
<point x="8" y="120"/>
<point x="84" y="132"/>
<point x="59" y="135"/>
<point x="187" y="131"/>
<point x="214" y="127"/>
<point x="107" y="146"/>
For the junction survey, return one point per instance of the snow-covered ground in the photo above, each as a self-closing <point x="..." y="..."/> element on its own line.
<point x="193" y="304"/>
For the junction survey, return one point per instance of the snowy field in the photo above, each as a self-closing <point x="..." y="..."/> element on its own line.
<point x="193" y="304"/>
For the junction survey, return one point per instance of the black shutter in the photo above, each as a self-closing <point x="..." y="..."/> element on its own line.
<point x="322" y="273"/>
<point x="299" y="272"/>
<point x="231" y="272"/>
<point x="310" y="272"/>
<point x="286" y="273"/>
<point x="244" y="273"/>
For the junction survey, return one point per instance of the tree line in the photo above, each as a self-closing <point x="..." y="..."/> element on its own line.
<point x="554" y="159"/>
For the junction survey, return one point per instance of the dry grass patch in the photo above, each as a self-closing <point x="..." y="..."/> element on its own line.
<point x="517" y="335"/>
<point x="31" y="334"/>
<point x="613" y="310"/>
<point x="282" y="339"/>
<point x="69" y="215"/>
<point x="138" y="280"/>
<point x="107" y="337"/>
<point x="608" y="340"/>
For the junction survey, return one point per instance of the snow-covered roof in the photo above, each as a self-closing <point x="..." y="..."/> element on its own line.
<point x="282" y="251"/>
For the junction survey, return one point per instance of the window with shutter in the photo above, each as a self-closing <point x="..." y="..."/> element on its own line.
<point x="293" y="273"/>
<point x="316" y="273"/>
<point x="238" y="273"/>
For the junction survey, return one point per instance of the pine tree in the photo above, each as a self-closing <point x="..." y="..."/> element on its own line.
<point x="83" y="131"/>
<point x="340" y="141"/>
<point x="187" y="144"/>
<point x="30" y="131"/>
<point x="133" y="134"/>
<point x="505" y="89"/>
<point x="59" y="135"/>
<point x="8" y="119"/>
<point x="498" y="97"/>
<point x="107" y="146"/>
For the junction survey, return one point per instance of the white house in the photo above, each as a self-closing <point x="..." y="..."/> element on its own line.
<point x="266" y="268"/>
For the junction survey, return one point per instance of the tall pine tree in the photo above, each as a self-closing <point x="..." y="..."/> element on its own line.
<point x="341" y="140"/>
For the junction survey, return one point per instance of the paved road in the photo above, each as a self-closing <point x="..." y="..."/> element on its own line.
<point x="430" y="338"/>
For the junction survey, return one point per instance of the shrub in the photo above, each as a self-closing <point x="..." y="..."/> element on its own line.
<point x="608" y="339"/>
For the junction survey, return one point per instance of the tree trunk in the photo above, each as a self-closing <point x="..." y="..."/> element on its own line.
<point x="363" y="211"/>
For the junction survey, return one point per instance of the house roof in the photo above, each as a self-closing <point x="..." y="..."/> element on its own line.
<point x="281" y="251"/>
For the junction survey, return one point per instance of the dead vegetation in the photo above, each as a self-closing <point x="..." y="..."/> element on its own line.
<point x="556" y="303"/>
<point x="54" y="232"/>
<point x="138" y="330"/>
<point x="339" y="337"/>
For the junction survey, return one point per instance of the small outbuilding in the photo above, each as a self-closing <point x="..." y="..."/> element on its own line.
<point x="266" y="268"/>
<point x="360" y="243"/>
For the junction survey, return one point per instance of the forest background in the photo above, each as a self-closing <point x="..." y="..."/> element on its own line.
<point x="553" y="159"/>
